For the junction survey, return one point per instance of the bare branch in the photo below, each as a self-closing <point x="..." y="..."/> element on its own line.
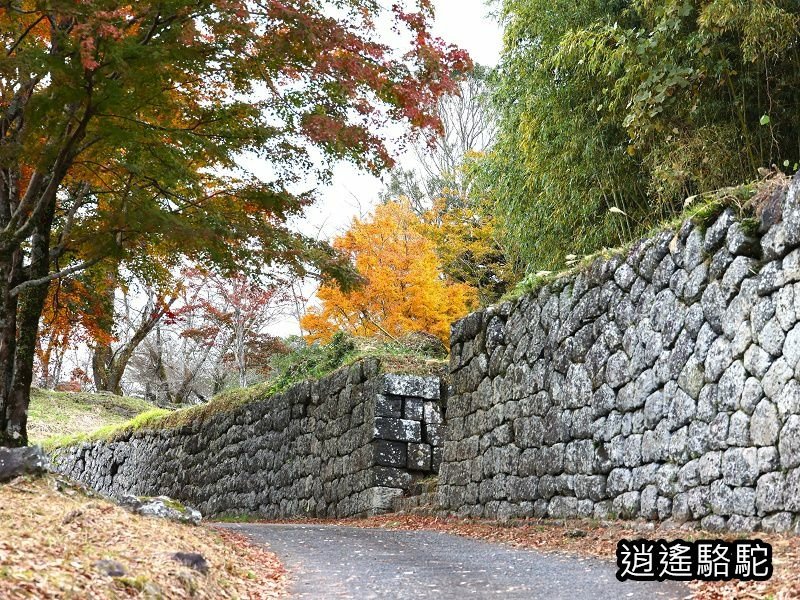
<point x="52" y="276"/>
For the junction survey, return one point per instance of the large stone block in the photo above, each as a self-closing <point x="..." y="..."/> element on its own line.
<point x="390" y="454"/>
<point x="388" y="406"/>
<point x="413" y="409"/>
<point x="390" y="477"/>
<point x="420" y="457"/>
<point x="398" y="430"/>
<point x="412" y="385"/>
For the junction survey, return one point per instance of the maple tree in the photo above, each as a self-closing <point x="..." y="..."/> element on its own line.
<point x="121" y="325"/>
<point x="66" y="321"/>
<point x="404" y="289"/>
<point x="217" y="326"/>
<point x="122" y="124"/>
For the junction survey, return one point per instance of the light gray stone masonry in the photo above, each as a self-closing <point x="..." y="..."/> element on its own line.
<point x="347" y="444"/>
<point x="661" y="383"/>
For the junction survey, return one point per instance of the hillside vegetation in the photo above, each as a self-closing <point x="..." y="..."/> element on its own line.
<point x="611" y="113"/>
<point x="54" y="413"/>
<point x="417" y="354"/>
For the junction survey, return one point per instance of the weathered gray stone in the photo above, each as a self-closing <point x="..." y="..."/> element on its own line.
<point x="399" y="430"/>
<point x="751" y="395"/>
<point x="719" y="358"/>
<point x="693" y="252"/>
<point x="390" y="477"/>
<point x="713" y="523"/>
<point x="765" y="424"/>
<point x="739" y="429"/>
<point x="391" y="454"/>
<point x="717" y="233"/>
<point x="682" y="409"/>
<point x="738" y="242"/>
<point x="773" y="242"/>
<point x="707" y="403"/>
<point x="791" y="347"/>
<point x="192" y="560"/>
<point x="420" y="457"/>
<point x="626" y="505"/>
<point x="692" y="377"/>
<point x="731" y="386"/>
<point x="757" y="361"/>
<point x="709" y="467"/>
<point x="739" y="524"/>
<point x="788" y="399"/>
<point x="161" y="507"/>
<point x="432" y="414"/>
<point x="740" y="466"/>
<point x="744" y="501"/>
<point x="777" y="523"/>
<point x="771" y="337"/>
<point x="789" y="443"/>
<point x="625" y="276"/>
<point x="412" y="385"/>
<point x="696" y="284"/>
<point x="413" y="409"/>
<point x="768" y="459"/>
<point x="721" y="497"/>
<point x="719" y="263"/>
<point x="617" y="373"/>
<point x="784" y="308"/>
<point x="776" y="377"/>
<point x="741" y="268"/>
<point x="495" y="334"/>
<point x="770" y="493"/>
<point x="771" y="277"/>
<point x="21" y="461"/>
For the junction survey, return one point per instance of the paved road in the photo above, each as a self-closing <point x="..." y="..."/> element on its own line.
<point x="328" y="562"/>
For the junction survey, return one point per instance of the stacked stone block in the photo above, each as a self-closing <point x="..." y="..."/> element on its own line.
<point x="408" y="423"/>
<point x="662" y="383"/>
<point x="312" y="450"/>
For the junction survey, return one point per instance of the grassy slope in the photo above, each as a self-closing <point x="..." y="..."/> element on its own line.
<point x="400" y="362"/>
<point x="68" y="413"/>
<point x="52" y="535"/>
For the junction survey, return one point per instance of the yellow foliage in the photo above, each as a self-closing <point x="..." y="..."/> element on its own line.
<point x="404" y="290"/>
<point x="465" y="234"/>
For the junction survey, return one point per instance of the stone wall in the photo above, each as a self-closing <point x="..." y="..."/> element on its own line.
<point x="344" y="445"/>
<point x="661" y="383"/>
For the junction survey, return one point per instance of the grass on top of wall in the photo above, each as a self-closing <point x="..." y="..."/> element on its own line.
<point x="67" y="413"/>
<point x="702" y="210"/>
<point x="313" y="362"/>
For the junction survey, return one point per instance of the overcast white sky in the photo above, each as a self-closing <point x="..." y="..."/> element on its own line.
<point x="465" y="23"/>
<point x="353" y="193"/>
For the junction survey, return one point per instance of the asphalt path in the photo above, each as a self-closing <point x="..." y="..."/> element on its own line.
<point x="331" y="562"/>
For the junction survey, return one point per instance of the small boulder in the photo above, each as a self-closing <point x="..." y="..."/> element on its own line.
<point x="193" y="560"/>
<point x="21" y="461"/>
<point x="110" y="567"/>
<point x="161" y="507"/>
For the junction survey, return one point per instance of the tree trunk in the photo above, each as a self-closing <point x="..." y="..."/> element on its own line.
<point x="30" y="308"/>
<point x="24" y="313"/>
<point x="107" y="369"/>
<point x="108" y="365"/>
<point x="8" y="341"/>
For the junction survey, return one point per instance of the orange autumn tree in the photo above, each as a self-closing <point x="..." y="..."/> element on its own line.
<point x="404" y="289"/>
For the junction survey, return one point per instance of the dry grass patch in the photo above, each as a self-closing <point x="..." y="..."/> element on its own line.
<point x="599" y="539"/>
<point x="54" y="413"/>
<point x="53" y="534"/>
